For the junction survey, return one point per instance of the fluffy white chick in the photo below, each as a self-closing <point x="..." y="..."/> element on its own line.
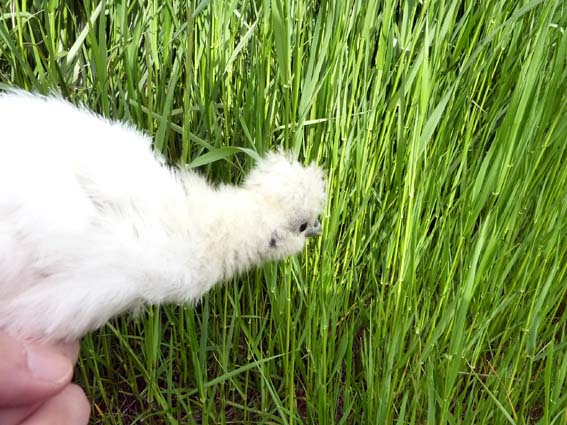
<point x="93" y="223"/>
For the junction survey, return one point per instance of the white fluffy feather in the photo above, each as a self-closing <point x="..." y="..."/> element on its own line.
<point x="93" y="224"/>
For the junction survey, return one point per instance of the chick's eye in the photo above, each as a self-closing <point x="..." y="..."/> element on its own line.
<point x="303" y="227"/>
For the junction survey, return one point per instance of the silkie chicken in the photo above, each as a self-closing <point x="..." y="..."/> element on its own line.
<point x="93" y="223"/>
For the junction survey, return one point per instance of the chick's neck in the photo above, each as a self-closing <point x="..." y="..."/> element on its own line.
<point x="237" y="230"/>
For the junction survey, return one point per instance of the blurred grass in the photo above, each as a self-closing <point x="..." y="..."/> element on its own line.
<point x="438" y="291"/>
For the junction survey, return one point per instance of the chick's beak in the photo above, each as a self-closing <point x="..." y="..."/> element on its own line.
<point x="314" y="229"/>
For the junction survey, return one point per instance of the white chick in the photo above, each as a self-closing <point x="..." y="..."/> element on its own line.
<point x="93" y="223"/>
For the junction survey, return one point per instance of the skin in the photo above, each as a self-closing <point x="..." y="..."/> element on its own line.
<point x="35" y="384"/>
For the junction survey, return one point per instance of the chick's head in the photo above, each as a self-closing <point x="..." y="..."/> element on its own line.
<point x="293" y="197"/>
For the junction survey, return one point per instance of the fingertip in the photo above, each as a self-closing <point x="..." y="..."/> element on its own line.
<point x="30" y="372"/>
<point x="81" y="406"/>
<point x="69" y="407"/>
<point x="46" y="364"/>
<point x="69" y="349"/>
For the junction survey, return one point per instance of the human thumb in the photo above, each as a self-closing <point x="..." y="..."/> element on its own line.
<point x="30" y="372"/>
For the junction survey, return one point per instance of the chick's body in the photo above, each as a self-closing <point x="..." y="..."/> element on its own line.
<point x="92" y="223"/>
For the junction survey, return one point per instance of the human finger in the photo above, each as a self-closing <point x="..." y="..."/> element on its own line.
<point x="69" y="407"/>
<point x="31" y="372"/>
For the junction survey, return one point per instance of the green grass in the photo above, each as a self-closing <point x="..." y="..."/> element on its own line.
<point x="437" y="293"/>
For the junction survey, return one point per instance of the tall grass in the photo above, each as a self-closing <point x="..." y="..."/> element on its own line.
<point x="437" y="293"/>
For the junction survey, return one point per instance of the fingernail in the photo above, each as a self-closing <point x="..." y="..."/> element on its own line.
<point x="47" y="365"/>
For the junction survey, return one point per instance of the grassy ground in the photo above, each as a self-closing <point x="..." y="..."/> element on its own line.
<point x="437" y="293"/>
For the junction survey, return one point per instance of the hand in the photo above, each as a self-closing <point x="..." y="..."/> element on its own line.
<point x="35" y="384"/>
